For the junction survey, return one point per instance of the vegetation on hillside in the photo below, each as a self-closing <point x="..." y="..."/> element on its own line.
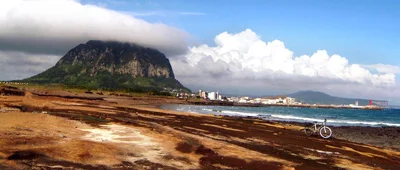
<point x="92" y="66"/>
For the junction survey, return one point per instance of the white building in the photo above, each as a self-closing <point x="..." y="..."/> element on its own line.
<point x="289" y="100"/>
<point x="242" y="100"/>
<point x="212" y="96"/>
<point x="233" y="99"/>
<point x="203" y="94"/>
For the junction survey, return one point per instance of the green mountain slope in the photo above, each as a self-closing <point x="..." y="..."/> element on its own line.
<point x="111" y="65"/>
<point x="315" y="97"/>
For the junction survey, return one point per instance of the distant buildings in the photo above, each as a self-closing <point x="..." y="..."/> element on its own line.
<point x="280" y="100"/>
<point x="287" y="100"/>
<point x="290" y="100"/>
<point x="210" y="95"/>
<point x="233" y="99"/>
<point x="245" y="99"/>
<point x="203" y="94"/>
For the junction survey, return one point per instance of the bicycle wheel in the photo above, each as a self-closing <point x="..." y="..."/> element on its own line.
<point x="325" y="132"/>
<point x="308" y="131"/>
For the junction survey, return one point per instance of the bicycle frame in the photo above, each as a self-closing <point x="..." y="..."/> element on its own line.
<point x="324" y="130"/>
<point x="316" y="129"/>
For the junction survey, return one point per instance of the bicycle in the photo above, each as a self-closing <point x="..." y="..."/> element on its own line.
<point x="324" y="130"/>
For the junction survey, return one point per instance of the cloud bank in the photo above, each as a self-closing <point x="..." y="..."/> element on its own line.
<point x="55" y="26"/>
<point x="243" y="59"/>
<point x="19" y="65"/>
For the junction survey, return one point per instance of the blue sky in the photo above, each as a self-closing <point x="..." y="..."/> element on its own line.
<point x="364" y="32"/>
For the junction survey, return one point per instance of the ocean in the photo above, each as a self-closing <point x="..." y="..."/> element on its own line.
<point x="335" y="117"/>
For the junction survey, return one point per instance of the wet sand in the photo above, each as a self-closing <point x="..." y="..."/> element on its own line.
<point x="52" y="131"/>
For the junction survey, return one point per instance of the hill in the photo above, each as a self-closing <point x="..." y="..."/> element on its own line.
<point x="315" y="97"/>
<point x="111" y="65"/>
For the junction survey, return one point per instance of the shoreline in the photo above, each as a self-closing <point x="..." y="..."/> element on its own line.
<point x="383" y="136"/>
<point x="283" y="117"/>
<point x="226" y="103"/>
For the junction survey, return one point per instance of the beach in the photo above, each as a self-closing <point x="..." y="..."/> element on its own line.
<point x="55" y="129"/>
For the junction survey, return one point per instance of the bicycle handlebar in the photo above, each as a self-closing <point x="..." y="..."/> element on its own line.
<point x="321" y="123"/>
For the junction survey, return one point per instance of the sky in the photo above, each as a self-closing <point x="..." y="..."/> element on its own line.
<point x="343" y="48"/>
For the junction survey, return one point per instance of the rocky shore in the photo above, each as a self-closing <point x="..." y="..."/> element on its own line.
<point x="59" y="131"/>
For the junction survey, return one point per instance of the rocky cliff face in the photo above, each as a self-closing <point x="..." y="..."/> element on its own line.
<point x="118" y="58"/>
<point x="99" y="64"/>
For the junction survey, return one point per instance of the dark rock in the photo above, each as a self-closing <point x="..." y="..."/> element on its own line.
<point x="25" y="155"/>
<point x="111" y="65"/>
<point x="88" y="92"/>
<point x="11" y="91"/>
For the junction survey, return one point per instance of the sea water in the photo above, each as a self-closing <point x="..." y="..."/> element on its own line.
<point x="334" y="116"/>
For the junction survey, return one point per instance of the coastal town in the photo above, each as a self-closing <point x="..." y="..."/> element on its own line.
<point x="216" y="98"/>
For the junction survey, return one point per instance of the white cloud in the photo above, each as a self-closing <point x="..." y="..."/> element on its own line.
<point x="55" y="26"/>
<point x="19" y="65"/>
<point x="243" y="59"/>
<point x="383" y="68"/>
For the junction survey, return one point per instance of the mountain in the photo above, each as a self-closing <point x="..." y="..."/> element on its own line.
<point x="111" y="65"/>
<point x="315" y="97"/>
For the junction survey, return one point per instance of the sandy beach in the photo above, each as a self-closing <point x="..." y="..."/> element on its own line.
<point x="55" y="129"/>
